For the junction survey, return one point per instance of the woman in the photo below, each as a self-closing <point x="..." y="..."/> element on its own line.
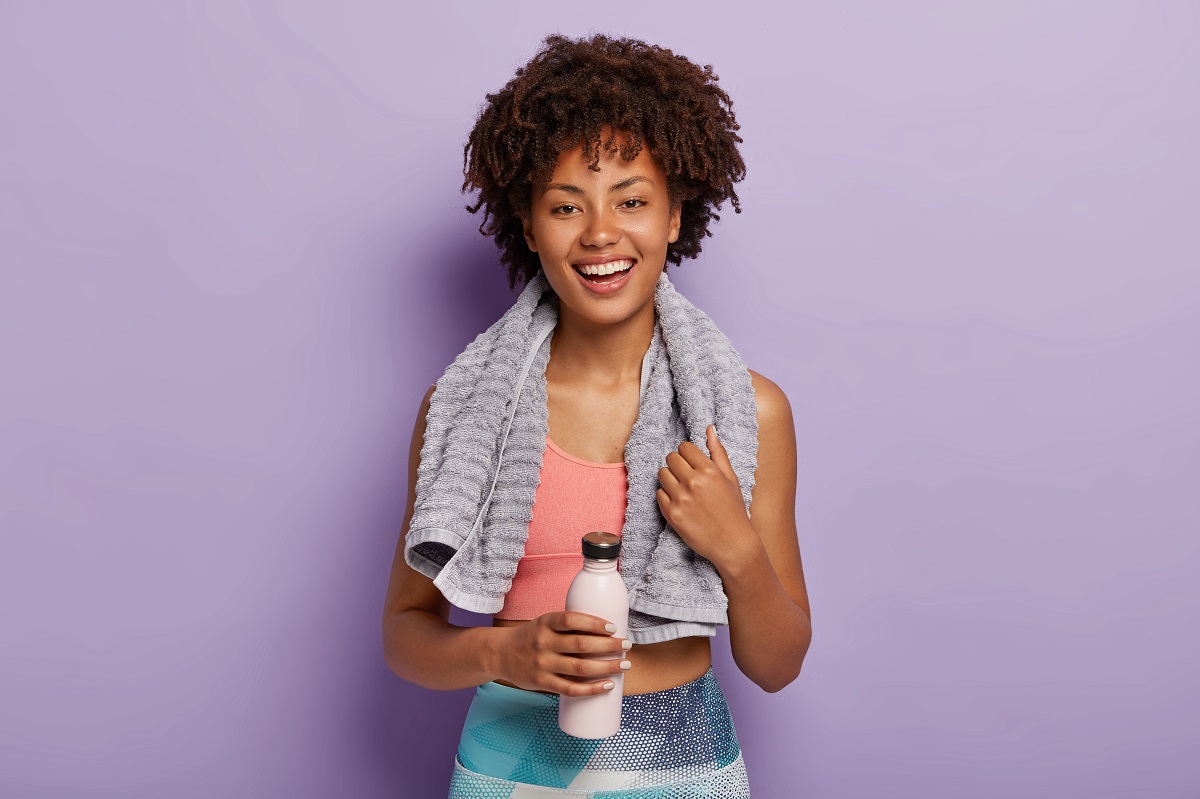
<point x="600" y="162"/>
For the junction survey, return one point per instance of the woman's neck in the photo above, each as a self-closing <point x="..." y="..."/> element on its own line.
<point x="603" y="353"/>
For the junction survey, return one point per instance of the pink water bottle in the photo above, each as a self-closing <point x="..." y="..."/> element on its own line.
<point x="598" y="590"/>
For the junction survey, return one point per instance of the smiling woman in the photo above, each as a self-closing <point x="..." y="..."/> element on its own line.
<point x="576" y="93"/>
<point x="602" y="399"/>
<point x="602" y="235"/>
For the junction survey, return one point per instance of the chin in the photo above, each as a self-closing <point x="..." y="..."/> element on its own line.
<point x="612" y="309"/>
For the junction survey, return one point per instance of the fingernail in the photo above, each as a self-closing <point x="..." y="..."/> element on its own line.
<point x="612" y="628"/>
<point x="626" y="665"/>
<point x="608" y="686"/>
<point x="626" y="644"/>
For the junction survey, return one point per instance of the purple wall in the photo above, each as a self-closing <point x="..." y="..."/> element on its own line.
<point x="234" y="255"/>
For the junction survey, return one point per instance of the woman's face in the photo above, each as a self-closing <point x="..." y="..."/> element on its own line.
<point x="602" y="236"/>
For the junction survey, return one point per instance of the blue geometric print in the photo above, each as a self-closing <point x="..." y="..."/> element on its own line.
<point x="673" y="744"/>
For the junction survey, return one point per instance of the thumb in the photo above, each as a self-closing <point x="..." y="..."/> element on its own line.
<point x="719" y="456"/>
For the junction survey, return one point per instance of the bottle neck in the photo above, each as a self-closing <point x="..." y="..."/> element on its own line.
<point x="599" y="565"/>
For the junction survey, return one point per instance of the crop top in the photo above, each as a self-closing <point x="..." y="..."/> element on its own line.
<point x="573" y="497"/>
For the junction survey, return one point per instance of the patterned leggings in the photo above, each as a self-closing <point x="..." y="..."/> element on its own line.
<point x="673" y="744"/>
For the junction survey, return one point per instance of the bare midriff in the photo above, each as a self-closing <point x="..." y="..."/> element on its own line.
<point x="655" y="667"/>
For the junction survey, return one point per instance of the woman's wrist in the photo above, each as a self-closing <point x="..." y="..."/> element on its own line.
<point x="492" y="650"/>
<point x="742" y="556"/>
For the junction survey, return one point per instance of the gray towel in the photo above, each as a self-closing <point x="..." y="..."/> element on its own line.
<point x="482" y="457"/>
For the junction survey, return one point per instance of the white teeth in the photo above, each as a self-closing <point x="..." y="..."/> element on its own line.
<point x="606" y="269"/>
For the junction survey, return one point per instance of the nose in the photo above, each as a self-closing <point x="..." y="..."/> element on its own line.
<point x="601" y="229"/>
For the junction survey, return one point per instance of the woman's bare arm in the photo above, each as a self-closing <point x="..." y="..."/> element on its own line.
<point x="419" y="643"/>
<point x="770" y="624"/>
<point x="758" y="557"/>
<point x="422" y="646"/>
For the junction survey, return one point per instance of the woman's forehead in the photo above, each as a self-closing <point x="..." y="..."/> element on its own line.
<point x="609" y="159"/>
<point x="618" y="175"/>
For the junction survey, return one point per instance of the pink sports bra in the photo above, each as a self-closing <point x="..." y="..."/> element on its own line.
<point x="573" y="497"/>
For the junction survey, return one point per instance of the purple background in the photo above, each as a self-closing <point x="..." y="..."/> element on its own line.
<point x="234" y="256"/>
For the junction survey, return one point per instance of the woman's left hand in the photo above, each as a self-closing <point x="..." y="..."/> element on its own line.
<point x="702" y="499"/>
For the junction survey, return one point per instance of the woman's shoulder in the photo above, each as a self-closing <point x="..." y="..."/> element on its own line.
<point x="775" y="474"/>
<point x="774" y="410"/>
<point x="422" y="415"/>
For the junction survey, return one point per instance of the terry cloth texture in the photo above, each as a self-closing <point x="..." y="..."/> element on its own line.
<point x="484" y="438"/>
<point x="678" y="743"/>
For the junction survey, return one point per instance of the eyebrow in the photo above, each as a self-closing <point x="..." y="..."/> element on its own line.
<point x="573" y="189"/>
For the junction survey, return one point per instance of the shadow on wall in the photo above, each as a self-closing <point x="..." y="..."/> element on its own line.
<point x="413" y="734"/>
<point x="448" y="288"/>
<point x="477" y="288"/>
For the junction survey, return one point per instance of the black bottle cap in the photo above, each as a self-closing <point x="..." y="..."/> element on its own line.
<point x="601" y="546"/>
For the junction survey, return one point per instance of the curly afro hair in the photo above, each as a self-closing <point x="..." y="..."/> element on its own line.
<point x="565" y="96"/>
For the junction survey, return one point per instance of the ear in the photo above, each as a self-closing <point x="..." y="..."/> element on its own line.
<point x="527" y="229"/>
<point x="673" y="228"/>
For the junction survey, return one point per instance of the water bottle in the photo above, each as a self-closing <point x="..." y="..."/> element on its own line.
<point x="598" y="590"/>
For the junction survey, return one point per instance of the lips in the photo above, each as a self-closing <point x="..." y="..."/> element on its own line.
<point x="606" y="268"/>
<point x="605" y="277"/>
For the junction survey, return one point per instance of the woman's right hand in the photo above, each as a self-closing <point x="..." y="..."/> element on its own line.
<point x="552" y="653"/>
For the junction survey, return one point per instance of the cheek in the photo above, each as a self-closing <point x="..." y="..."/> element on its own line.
<point x="554" y="239"/>
<point x="560" y="278"/>
<point x="652" y="233"/>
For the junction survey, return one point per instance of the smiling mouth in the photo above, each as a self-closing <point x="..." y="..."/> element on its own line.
<point x="601" y="274"/>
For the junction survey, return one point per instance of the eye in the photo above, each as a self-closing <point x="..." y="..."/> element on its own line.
<point x="633" y="202"/>
<point x="564" y="209"/>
